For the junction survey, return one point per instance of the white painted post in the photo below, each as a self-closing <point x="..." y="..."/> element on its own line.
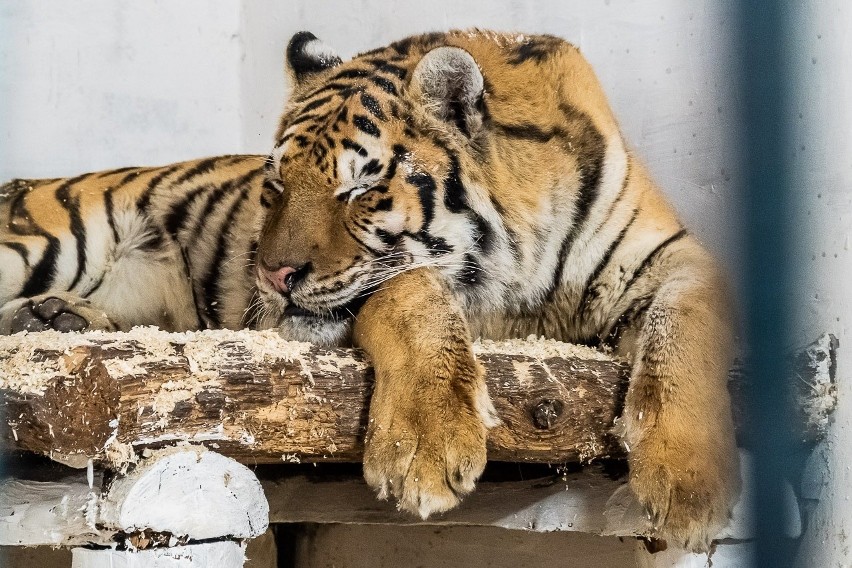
<point x="222" y="554"/>
<point x="182" y="495"/>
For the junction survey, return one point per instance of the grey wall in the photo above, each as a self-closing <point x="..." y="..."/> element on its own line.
<point x="106" y="83"/>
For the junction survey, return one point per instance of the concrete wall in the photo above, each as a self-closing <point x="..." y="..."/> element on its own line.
<point x="822" y="156"/>
<point x="94" y="84"/>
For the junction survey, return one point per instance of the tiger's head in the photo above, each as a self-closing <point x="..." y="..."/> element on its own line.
<point x="365" y="179"/>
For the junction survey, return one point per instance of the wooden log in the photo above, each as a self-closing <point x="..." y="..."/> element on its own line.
<point x="259" y="399"/>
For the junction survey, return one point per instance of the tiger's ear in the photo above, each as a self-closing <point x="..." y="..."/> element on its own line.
<point x="448" y="82"/>
<point x="306" y="55"/>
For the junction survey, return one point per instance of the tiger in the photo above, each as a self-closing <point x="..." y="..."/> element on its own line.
<point x="446" y="187"/>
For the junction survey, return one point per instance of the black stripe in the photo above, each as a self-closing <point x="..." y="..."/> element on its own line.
<point x="270" y="163"/>
<point x="358" y="240"/>
<point x="109" y="204"/>
<point x="350" y="145"/>
<point x="44" y="272"/>
<point x="587" y="143"/>
<point x="511" y="234"/>
<point x="214" y="198"/>
<point x="372" y="167"/>
<point x="200" y="322"/>
<point x="621" y="191"/>
<point x="304" y="117"/>
<point x="210" y="285"/>
<point x="154" y="240"/>
<point x="472" y="271"/>
<point x="590" y="290"/>
<point x="390" y="172"/>
<point x="538" y="48"/>
<point x="528" y="131"/>
<point x="345" y="90"/>
<point x="455" y="200"/>
<point x="128" y="178"/>
<point x="316" y="103"/>
<point x="646" y="263"/>
<point x="652" y="256"/>
<point x="145" y="199"/>
<point x="18" y="214"/>
<point x="635" y="310"/>
<point x="15" y="189"/>
<point x="109" y="207"/>
<point x="385" y="84"/>
<point x="78" y="229"/>
<point x="392" y="69"/>
<point x="350" y="74"/>
<point x="388" y="239"/>
<point x="19" y="248"/>
<point x="366" y="125"/>
<point x="384" y="204"/>
<point x="425" y="185"/>
<point x="435" y="244"/>
<point x="202" y="167"/>
<point x="178" y="213"/>
<point x="372" y="105"/>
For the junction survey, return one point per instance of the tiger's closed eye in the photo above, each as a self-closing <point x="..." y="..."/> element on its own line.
<point x="273" y="189"/>
<point x="349" y="195"/>
<point x="273" y="184"/>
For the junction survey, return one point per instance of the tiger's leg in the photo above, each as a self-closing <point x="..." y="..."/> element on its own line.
<point x="59" y="311"/>
<point x="677" y="423"/>
<point x="430" y="407"/>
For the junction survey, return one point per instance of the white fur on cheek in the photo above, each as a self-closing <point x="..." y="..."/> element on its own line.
<point x="394" y="222"/>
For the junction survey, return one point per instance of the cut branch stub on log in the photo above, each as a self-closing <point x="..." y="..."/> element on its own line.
<point x="259" y="399"/>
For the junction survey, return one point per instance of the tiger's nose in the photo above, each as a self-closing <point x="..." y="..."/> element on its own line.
<point x="283" y="279"/>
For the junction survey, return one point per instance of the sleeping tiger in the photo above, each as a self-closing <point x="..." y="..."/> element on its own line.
<point x="447" y="186"/>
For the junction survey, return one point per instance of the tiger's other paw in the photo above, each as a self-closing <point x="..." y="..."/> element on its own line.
<point x="688" y="487"/>
<point x="427" y="450"/>
<point x="54" y="311"/>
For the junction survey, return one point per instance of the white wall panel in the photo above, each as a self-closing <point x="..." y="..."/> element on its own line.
<point x="93" y="84"/>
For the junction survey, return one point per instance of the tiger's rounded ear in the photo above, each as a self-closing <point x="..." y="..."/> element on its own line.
<point x="306" y="55"/>
<point x="448" y="82"/>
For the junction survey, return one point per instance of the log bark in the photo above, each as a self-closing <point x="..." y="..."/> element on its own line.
<point x="259" y="399"/>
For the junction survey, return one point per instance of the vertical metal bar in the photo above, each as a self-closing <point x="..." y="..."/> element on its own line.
<point x="766" y="200"/>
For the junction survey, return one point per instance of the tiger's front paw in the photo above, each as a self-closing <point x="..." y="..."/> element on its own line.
<point x="688" y="487"/>
<point x="428" y="449"/>
<point x="57" y="311"/>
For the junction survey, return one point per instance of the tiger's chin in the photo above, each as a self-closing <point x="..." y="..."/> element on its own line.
<point x="295" y="324"/>
<point x="324" y="332"/>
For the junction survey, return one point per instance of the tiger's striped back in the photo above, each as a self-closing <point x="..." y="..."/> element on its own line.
<point x="169" y="246"/>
